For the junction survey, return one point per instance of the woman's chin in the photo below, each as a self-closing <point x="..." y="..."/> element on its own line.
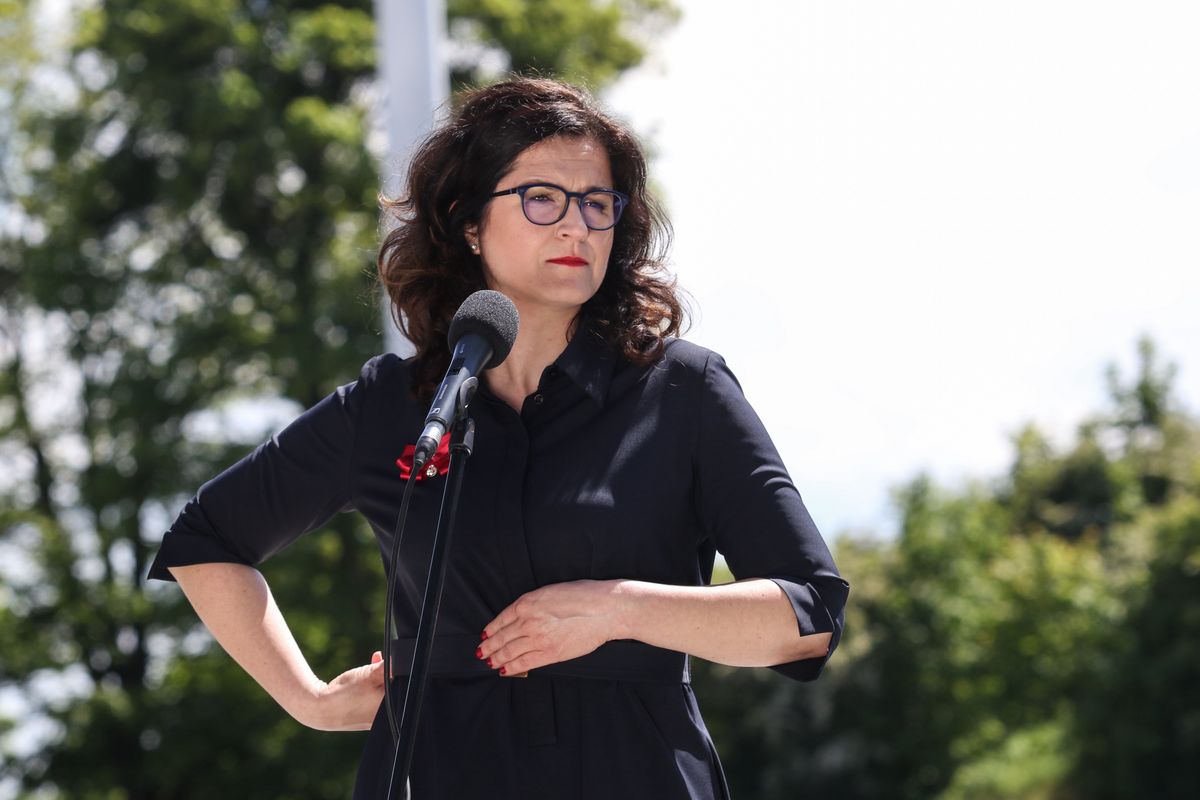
<point x="549" y="299"/>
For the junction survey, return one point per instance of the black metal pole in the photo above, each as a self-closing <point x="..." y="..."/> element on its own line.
<point x="462" y="440"/>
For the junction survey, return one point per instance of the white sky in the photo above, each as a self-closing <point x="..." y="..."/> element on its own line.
<point x="911" y="227"/>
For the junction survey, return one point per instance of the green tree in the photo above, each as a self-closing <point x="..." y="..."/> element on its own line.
<point x="1138" y="725"/>
<point x="1030" y="637"/>
<point x="1137" y="454"/>
<point x="591" y="42"/>
<point x="197" y="228"/>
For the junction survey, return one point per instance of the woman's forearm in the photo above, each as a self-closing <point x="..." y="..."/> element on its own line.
<point x="236" y="605"/>
<point x="749" y="623"/>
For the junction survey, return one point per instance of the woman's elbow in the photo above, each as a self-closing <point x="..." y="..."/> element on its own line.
<point x="814" y="645"/>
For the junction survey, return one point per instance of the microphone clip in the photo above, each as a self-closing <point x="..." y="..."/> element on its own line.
<point x="431" y="437"/>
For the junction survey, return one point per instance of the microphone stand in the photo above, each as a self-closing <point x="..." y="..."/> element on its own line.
<point x="462" y="441"/>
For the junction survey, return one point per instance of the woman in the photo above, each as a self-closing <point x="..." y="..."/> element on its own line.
<point x="611" y="462"/>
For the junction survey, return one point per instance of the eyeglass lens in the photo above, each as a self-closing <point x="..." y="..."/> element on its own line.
<point x="545" y="205"/>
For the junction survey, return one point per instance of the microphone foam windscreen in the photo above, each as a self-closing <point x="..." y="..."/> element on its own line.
<point x="490" y="315"/>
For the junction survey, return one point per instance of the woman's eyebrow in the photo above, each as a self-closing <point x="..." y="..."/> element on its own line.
<point x="539" y="179"/>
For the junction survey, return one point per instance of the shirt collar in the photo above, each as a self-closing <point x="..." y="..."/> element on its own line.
<point x="588" y="360"/>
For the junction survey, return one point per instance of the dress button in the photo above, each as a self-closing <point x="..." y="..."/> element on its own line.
<point x="538" y="399"/>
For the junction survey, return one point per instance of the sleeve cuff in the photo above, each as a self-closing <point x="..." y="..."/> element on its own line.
<point x="183" y="550"/>
<point x="814" y="614"/>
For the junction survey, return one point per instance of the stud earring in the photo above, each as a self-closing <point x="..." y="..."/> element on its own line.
<point x="474" y="248"/>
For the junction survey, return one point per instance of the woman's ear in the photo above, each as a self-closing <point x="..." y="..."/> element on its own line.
<point x="471" y="234"/>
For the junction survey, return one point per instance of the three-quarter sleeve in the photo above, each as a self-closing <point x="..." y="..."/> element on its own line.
<point x="755" y="516"/>
<point x="289" y="485"/>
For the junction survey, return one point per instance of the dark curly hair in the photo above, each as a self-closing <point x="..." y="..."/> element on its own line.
<point x="425" y="263"/>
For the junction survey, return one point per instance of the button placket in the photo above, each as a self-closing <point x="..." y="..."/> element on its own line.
<point x="515" y="552"/>
<point x="535" y="698"/>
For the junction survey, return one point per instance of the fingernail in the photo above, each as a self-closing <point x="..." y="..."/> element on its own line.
<point x="489" y="661"/>
<point x="479" y="652"/>
<point x="483" y="636"/>
<point x="502" y="671"/>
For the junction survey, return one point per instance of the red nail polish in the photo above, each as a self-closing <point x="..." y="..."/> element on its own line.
<point x="483" y="636"/>
<point x="502" y="671"/>
<point x="479" y="652"/>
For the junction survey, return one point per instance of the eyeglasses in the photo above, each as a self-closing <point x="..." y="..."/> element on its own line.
<point x="546" y="204"/>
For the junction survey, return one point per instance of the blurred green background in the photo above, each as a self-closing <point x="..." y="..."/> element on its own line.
<point x="189" y="212"/>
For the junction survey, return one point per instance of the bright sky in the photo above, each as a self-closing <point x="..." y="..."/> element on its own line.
<point x="911" y="227"/>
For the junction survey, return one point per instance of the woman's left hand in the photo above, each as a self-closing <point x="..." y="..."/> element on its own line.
<point x="551" y="624"/>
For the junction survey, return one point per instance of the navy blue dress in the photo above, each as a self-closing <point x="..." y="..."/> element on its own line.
<point x="609" y="471"/>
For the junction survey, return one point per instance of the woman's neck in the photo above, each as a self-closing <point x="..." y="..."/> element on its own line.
<point x="541" y="338"/>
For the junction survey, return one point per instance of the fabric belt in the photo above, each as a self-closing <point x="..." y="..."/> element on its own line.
<point x="621" y="660"/>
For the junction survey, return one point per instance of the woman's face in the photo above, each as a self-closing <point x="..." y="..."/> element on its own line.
<point x="518" y="257"/>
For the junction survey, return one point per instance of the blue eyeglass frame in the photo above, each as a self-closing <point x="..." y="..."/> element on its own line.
<point x="622" y="201"/>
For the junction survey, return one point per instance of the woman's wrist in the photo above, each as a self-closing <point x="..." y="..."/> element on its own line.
<point x="624" y="596"/>
<point x="305" y="704"/>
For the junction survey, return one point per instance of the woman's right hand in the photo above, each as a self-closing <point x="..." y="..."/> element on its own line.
<point x="350" y="701"/>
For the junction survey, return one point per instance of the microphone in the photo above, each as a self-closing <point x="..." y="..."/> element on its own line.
<point x="481" y="335"/>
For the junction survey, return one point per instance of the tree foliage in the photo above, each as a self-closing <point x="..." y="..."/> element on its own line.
<point x="590" y="43"/>
<point x="1033" y="637"/>
<point x="190" y="229"/>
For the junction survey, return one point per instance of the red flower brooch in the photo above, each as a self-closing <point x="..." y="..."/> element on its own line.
<point x="439" y="464"/>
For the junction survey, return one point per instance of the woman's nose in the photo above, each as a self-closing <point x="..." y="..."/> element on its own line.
<point x="572" y="223"/>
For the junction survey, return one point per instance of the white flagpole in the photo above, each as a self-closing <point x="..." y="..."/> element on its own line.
<point x="415" y="83"/>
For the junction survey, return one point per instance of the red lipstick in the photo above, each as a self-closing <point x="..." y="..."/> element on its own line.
<point x="570" y="261"/>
